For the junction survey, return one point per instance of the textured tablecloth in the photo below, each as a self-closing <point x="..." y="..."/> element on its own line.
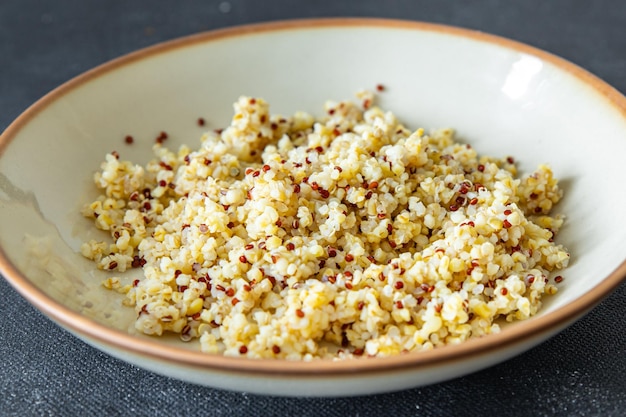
<point x="46" y="371"/>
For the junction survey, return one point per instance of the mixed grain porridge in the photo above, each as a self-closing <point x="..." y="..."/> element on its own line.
<point x="348" y="235"/>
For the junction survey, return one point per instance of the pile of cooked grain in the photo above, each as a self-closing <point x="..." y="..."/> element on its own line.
<point x="350" y="235"/>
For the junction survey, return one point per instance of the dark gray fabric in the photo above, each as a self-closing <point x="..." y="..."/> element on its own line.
<point x="46" y="371"/>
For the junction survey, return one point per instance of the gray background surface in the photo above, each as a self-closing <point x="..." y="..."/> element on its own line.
<point x="46" y="371"/>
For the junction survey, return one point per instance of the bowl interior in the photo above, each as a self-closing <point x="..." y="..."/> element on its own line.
<point x="503" y="98"/>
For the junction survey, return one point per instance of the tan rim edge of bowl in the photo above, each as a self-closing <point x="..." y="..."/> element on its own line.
<point x="145" y="347"/>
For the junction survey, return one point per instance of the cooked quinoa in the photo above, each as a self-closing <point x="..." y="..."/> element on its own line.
<point x="347" y="235"/>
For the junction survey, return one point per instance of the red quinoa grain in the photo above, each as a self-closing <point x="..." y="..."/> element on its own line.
<point x="389" y="219"/>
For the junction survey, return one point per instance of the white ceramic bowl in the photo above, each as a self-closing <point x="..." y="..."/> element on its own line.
<point x="501" y="96"/>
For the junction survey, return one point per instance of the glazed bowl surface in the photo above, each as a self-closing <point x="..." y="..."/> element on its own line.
<point x="503" y="97"/>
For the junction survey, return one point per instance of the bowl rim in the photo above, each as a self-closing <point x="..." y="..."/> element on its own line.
<point x="152" y="349"/>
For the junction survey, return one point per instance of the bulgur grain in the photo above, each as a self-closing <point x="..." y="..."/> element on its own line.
<point x="390" y="240"/>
